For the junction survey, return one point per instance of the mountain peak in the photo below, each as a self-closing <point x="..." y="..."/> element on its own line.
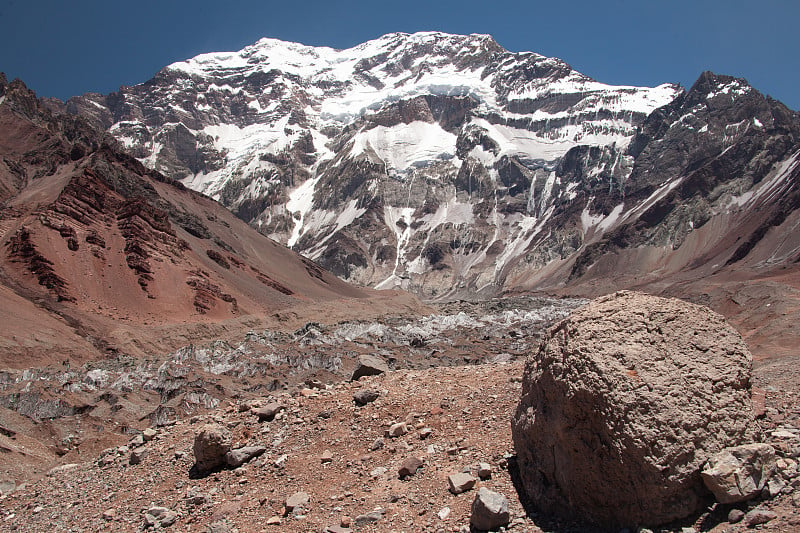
<point x="424" y="158"/>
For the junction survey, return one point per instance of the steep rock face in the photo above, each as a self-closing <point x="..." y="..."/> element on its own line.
<point x="444" y="163"/>
<point x="622" y="405"/>
<point x="409" y="160"/>
<point x="710" y="175"/>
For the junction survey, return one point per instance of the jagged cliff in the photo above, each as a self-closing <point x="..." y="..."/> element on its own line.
<point x="444" y="163"/>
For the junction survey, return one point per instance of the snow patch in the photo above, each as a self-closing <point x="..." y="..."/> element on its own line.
<point x="406" y="145"/>
<point x="301" y="200"/>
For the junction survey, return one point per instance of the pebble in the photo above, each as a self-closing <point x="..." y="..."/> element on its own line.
<point x="489" y="510"/>
<point x="137" y="456"/>
<point x="365" y="396"/>
<point x="368" y="518"/>
<point x="484" y="470"/>
<point x="268" y="412"/>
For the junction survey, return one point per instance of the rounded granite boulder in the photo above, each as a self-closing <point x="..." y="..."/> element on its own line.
<point x="622" y="405"/>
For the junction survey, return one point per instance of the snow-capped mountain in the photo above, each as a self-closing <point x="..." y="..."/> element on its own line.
<point x="441" y="162"/>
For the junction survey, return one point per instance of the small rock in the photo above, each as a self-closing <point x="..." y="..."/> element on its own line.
<point x="315" y="384"/>
<point x="377" y="444"/>
<point x="267" y="413"/>
<point x="158" y="516"/>
<point x="308" y="393"/>
<point x="4" y="485"/>
<point x="461" y="482"/>
<point x="378" y="471"/>
<point x="739" y="473"/>
<point x="109" y="514"/>
<point x="398" y="429"/>
<point x="298" y="500"/>
<point x="274" y="521"/>
<point x="787" y="467"/>
<point x="345" y="521"/>
<point x="336" y="529"/>
<point x="220" y="526"/>
<point x="369" y="365"/>
<point x="403" y="446"/>
<point x="137" y="456"/>
<point x="409" y="467"/>
<point x="326" y="457"/>
<point x="240" y="456"/>
<point x="774" y="486"/>
<point x="489" y="510"/>
<point x="484" y="470"/>
<point x="149" y="434"/>
<point x="368" y="518"/>
<point x="758" y="516"/>
<point x="443" y="513"/>
<point x="365" y="396"/>
<point x="193" y="497"/>
<point x="210" y="446"/>
<point x="281" y="461"/>
<point x="136" y="441"/>
<point x="168" y="519"/>
<point x="424" y="433"/>
<point x="735" y="515"/>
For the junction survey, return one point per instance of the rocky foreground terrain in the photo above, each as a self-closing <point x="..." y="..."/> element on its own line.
<point x="55" y="414"/>
<point x="376" y="454"/>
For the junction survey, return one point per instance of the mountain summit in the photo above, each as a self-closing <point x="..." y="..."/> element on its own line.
<point x="445" y="164"/>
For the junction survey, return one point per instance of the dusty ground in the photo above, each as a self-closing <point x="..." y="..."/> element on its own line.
<point x="467" y="408"/>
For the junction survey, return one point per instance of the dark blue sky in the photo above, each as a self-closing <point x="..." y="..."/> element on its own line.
<point x="62" y="48"/>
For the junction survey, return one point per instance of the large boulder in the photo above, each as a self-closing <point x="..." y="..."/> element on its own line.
<point x="622" y="405"/>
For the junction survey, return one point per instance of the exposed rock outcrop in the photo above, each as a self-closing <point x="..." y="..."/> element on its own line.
<point x="623" y="404"/>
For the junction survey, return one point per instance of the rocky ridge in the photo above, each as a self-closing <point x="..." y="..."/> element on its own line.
<point x="445" y="164"/>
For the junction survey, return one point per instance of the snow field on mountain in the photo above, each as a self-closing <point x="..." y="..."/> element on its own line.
<point x="405" y="145"/>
